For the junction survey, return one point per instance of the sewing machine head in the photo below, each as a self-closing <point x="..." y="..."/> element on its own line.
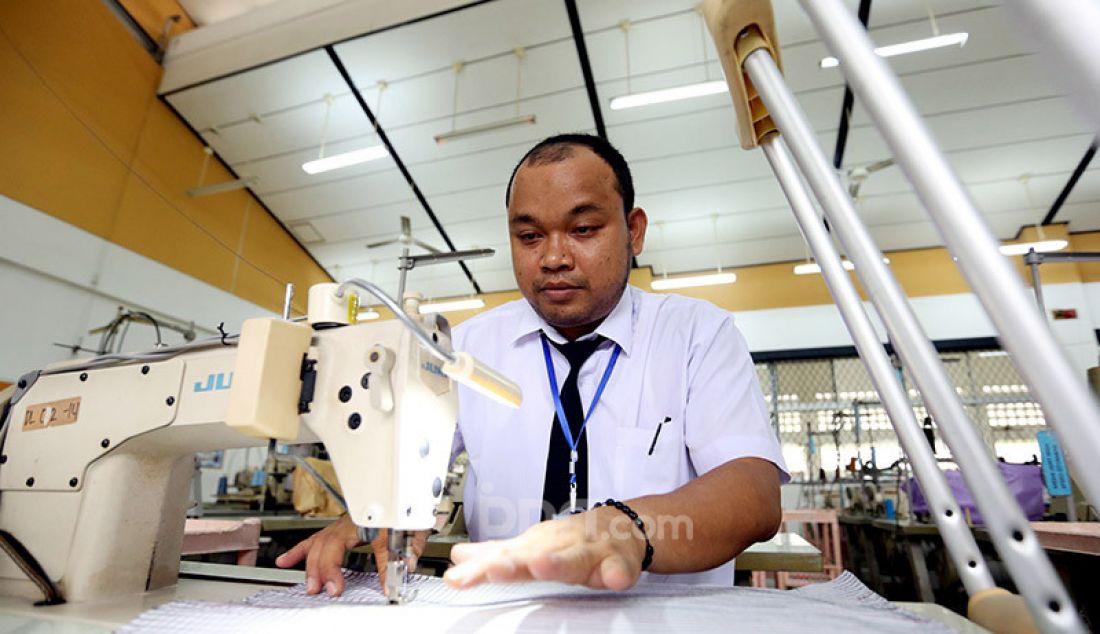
<point x="97" y="456"/>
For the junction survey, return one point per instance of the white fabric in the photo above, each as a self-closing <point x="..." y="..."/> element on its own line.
<point x="843" y="605"/>
<point x="681" y="358"/>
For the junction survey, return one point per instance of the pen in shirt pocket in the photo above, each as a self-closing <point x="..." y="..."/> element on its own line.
<point x="661" y="424"/>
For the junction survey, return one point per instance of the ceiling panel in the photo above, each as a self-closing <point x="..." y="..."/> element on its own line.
<point x="1084" y="215"/>
<point x="689" y="170"/>
<point x="472" y="34"/>
<point x="294" y="130"/>
<point x="270" y="88"/>
<point x="378" y="188"/>
<point x="1008" y="131"/>
<point x="567" y="110"/>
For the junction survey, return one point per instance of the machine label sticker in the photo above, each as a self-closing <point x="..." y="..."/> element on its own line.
<point x="431" y="374"/>
<point x="215" y="381"/>
<point x="433" y="368"/>
<point x="1055" y="473"/>
<point x="52" y="414"/>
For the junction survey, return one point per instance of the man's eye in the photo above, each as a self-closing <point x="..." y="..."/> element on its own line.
<point x="528" y="236"/>
<point x="584" y="230"/>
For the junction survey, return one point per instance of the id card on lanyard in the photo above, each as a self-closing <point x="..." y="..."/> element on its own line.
<point x="563" y="421"/>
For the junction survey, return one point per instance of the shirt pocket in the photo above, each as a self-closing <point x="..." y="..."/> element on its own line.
<point x="649" y="460"/>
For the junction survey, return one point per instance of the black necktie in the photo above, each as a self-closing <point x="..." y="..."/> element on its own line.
<point x="555" y="488"/>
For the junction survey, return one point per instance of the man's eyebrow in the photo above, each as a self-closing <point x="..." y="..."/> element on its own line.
<point x="583" y="209"/>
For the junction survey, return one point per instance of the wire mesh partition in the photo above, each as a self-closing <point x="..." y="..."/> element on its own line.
<point x="827" y="414"/>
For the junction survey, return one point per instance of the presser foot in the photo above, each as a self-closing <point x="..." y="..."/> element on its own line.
<point x="399" y="553"/>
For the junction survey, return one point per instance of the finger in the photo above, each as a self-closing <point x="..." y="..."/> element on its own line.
<point x="330" y="555"/>
<point x="313" y="579"/>
<point x="419" y="543"/>
<point x="505" y="569"/>
<point x="380" y="547"/>
<point x="473" y="550"/>
<point x="573" y="564"/>
<point x="615" y="573"/>
<point x="499" y="564"/>
<point x="295" y="554"/>
<point x="471" y="572"/>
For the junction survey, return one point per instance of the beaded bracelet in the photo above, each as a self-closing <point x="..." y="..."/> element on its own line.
<point x="648" y="559"/>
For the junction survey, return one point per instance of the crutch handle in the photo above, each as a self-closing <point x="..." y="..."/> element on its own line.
<point x="740" y="27"/>
<point x="1001" y="612"/>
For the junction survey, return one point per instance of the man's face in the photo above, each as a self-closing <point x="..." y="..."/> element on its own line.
<point x="571" y="243"/>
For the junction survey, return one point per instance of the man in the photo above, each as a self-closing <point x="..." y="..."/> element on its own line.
<point x="665" y="418"/>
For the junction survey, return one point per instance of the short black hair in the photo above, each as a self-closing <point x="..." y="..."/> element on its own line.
<point x="558" y="148"/>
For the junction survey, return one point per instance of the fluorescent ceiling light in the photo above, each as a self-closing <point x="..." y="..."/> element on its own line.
<point x="669" y="94"/>
<point x="217" y="188"/>
<point x="526" y="119"/>
<point x="809" y="268"/>
<point x="709" y="279"/>
<point x="347" y="159"/>
<point x="445" y="307"/>
<point x="940" y="41"/>
<point x="1042" y="246"/>
<point x="368" y="315"/>
<point x="992" y="353"/>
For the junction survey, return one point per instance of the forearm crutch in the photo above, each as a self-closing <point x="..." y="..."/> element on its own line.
<point x="745" y="35"/>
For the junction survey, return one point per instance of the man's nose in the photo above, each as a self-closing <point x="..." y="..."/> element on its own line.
<point x="556" y="255"/>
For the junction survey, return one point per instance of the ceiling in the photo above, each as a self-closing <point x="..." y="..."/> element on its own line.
<point x="1007" y="129"/>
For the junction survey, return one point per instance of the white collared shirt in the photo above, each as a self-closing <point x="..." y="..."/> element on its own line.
<point x="682" y="359"/>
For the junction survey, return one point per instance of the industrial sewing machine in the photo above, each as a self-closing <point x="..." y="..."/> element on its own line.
<point x="97" y="460"/>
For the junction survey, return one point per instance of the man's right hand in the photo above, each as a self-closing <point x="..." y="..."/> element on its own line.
<point x="324" y="554"/>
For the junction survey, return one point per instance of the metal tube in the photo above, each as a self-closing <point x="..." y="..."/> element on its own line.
<point x="773" y="376"/>
<point x="423" y="337"/>
<point x="1008" y="527"/>
<point x="1038" y="287"/>
<point x="404" y="266"/>
<point x="1072" y="410"/>
<point x="287" y="300"/>
<point x="949" y="519"/>
<point x="1033" y="260"/>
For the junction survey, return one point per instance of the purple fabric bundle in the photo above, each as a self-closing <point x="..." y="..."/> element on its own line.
<point x="1024" y="480"/>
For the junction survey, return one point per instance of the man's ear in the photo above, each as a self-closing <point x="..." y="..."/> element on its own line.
<point x="636" y="223"/>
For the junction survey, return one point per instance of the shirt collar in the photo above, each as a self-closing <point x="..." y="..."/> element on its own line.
<point x="618" y="326"/>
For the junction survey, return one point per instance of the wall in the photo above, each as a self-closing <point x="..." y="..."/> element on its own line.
<point x="153" y="15"/>
<point x="59" y="281"/>
<point x="777" y="310"/>
<point x="87" y="141"/>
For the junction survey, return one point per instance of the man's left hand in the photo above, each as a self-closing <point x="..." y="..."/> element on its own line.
<point x="599" y="549"/>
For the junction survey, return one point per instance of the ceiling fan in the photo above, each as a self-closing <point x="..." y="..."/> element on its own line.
<point x="404" y="238"/>
<point x="408" y="262"/>
<point x="857" y="175"/>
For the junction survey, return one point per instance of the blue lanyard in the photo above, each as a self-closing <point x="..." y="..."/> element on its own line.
<point x="564" y="422"/>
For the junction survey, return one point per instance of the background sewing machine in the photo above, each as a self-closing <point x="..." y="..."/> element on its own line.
<point x="98" y="455"/>
<point x="266" y="488"/>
